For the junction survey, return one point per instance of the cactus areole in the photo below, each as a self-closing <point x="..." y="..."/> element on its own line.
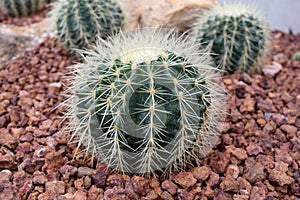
<point x="236" y="36"/>
<point x="142" y="105"/>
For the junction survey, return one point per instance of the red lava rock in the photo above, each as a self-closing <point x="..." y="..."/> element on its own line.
<point x="115" y="193"/>
<point x="78" y="183"/>
<point x="253" y="149"/>
<point x="185" y="179"/>
<point x="151" y="196"/>
<point x="67" y="171"/>
<point x="233" y="171"/>
<point x="7" y="159"/>
<point x="244" y="184"/>
<point x="213" y="180"/>
<point x="246" y="78"/>
<point x="229" y="184"/>
<point x="256" y="173"/>
<point x="7" y="139"/>
<point x="39" y="178"/>
<point x="258" y="193"/>
<point x="26" y="189"/>
<point x="289" y="129"/>
<point x="209" y="193"/>
<point x="248" y="106"/>
<point x="117" y="180"/>
<point x="19" y="178"/>
<point x="9" y="192"/>
<point x="99" y="178"/>
<point x="80" y="195"/>
<point x="239" y="153"/>
<point x="95" y="193"/>
<point x="184" y="194"/>
<point x="87" y="182"/>
<point x="170" y="187"/>
<point x="279" y="178"/>
<point x="166" y="196"/>
<point x="266" y="105"/>
<point x="84" y="171"/>
<point x="155" y="184"/>
<point x="50" y="165"/>
<point x="5" y="176"/>
<point x="31" y="165"/>
<point x="140" y="185"/>
<point x="266" y="161"/>
<point x="220" y="162"/>
<point x="201" y="173"/>
<point x="55" y="187"/>
<point x="240" y="197"/>
<point x="220" y="195"/>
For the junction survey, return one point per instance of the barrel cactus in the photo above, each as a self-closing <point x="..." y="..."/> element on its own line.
<point x="236" y="36"/>
<point x="145" y="102"/>
<point x="20" y="8"/>
<point x="296" y="56"/>
<point x="79" y="22"/>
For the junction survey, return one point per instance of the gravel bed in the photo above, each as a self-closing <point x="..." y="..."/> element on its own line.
<point x="257" y="156"/>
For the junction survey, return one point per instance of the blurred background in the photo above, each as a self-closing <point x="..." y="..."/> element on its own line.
<point x="281" y="14"/>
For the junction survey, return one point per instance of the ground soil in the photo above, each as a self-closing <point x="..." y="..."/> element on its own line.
<point x="257" y="156"/>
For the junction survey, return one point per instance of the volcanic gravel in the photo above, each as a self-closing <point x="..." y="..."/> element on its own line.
<point x="257" y="156"/>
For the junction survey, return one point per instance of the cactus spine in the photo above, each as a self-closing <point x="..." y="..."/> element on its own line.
<point x="78" y="22"/>
<point x="20" y="8"/>
<point x="145" y="102"/>
<point x="236" y="36"/>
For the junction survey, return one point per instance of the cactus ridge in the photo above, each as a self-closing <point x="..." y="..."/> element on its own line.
<point x="20" y="8"/>
<point x="78" y="22"/>
<point x="236" y="35"/>
<point x="147" y="109"/>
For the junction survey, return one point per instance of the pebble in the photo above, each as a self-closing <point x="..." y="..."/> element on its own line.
<point x="272" y="70"/>
<point x="84" y="171"/>
<point x="169" y="186"/>
<point x="185" y="179"/>
<point x="256" y="173"/>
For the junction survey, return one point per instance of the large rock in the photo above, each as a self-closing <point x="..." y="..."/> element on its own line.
<point x="16" y="39"/>
<point x="180" y="14"/>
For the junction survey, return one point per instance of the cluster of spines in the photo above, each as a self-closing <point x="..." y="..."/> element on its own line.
<point x="79" y="22"/>
<point x="20" y="8"/>
<point x="172" y="103"/>
<point x="236" y="35"/>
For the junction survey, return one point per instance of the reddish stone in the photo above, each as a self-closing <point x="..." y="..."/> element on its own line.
<point x="185" y="179"/>
<point x="169" y="186"/>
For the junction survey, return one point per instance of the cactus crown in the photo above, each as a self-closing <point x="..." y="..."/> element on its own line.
<point x="236" y="36"/>
<point x="146" y="102"/>
<point x="19" y="8"/>
<point x="78" y="22"/>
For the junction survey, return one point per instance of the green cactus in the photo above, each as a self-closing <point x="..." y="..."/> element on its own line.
<point x="20" y="8"/>
<point x="236" y="35"/>
<point x="296" y="56"/>
<point x="145" y="102"/>
<point x="79" y="22"/>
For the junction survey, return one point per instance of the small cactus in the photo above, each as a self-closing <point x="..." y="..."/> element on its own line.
<point x="236" y="36"/>
<point x="78" y="22"/>
<point x="20" y="8"/>
<point x="296" y="56"/>
<point x="145" y="102"/>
